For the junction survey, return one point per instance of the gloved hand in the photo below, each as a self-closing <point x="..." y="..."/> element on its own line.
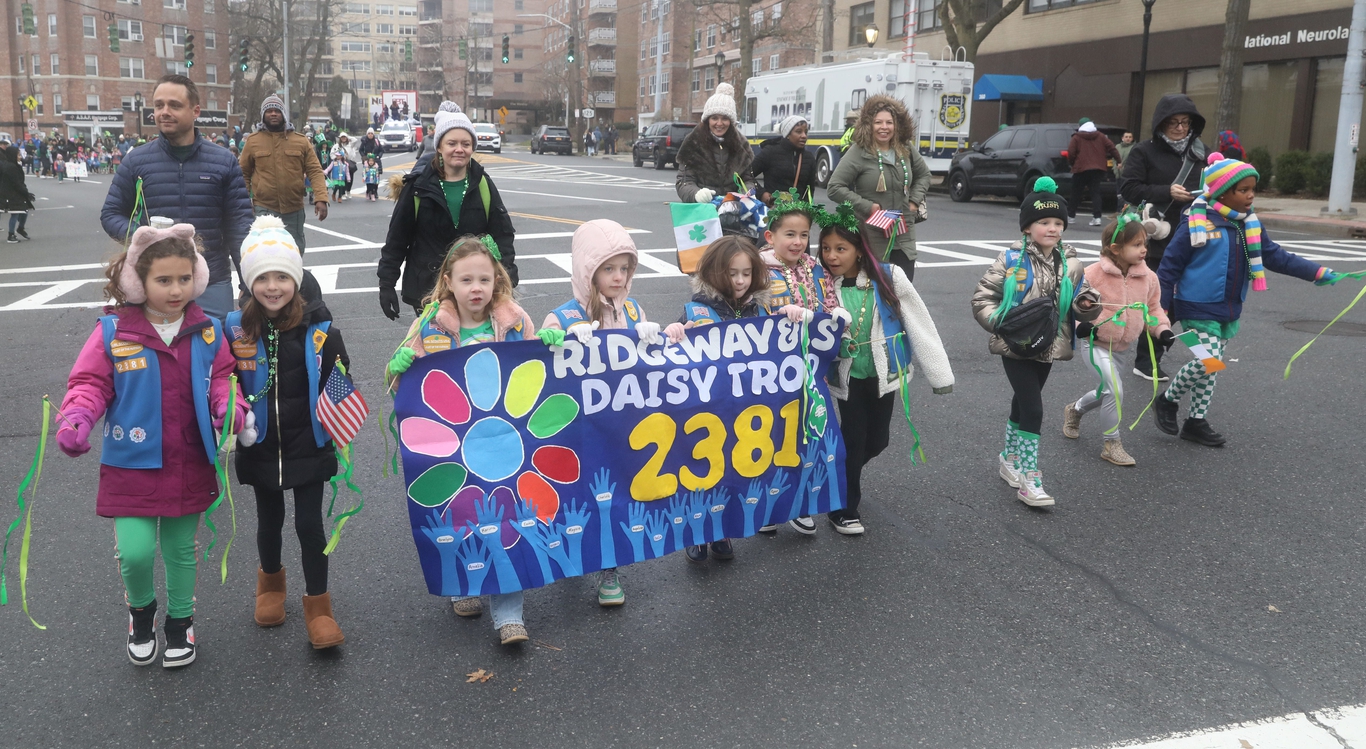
<point x="675" y="332"/>
<point x="551" y="336"/>
<point x="583" y="332"/>
<point x="388" y="301"/>
<point x="1166" y="339"/>
<point x="703" y="196"/>
<point x="796" y="314"/>
<point x="402" y="360"/>
<point x="247" y="437"/>
<point x="648" y="332"/>
<point x="1084" y="329"/>
<point x="944" y="390"/>
<point x="840" y="313"/>
<point x="74" y="437"/>
<point x="1328" y="278"/>
<point x="241" y="416"/>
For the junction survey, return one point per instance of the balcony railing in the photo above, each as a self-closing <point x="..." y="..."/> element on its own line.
<point x="606" y="37"/>
<point x="603" y="98"/>
<point x="602" y="6"/>
<point x="606" y="68"/>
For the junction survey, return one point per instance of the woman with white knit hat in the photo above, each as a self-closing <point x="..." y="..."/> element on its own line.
<point x="436" y="206"/>
<point x="714" y="159"/>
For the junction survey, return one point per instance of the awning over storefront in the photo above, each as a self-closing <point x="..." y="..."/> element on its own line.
<point x="1008" y="88"/>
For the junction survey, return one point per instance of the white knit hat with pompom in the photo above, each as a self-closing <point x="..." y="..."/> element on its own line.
<point x="270" y="247"/>
<point x="450" y="119"/>
<point x="722" y="102"/>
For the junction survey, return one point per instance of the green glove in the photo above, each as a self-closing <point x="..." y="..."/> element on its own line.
<point x="551" y="336"/>
<point x="403" y="359"/>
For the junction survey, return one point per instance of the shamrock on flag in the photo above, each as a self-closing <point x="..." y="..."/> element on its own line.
<point x="696" y="225"/>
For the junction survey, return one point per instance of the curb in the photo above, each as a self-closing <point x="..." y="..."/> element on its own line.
<point x="1331" y="227"/>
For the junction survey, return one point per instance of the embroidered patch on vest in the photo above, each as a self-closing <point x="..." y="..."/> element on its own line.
<point x="518" y="326"/>
<point x="246" y="365"/>
<point x="631" y="310"/>
<point x="244" y="349"/>
<point x="121" y="349"/>
<point x="118" y="433"/>
<point x="318" y="338"/>
<point x="433" y="343"/>
<point x="129" y="365"/>
<point x="137" y="434"/>
<point x="572" y="314"/>
<point x="208" y="335"/>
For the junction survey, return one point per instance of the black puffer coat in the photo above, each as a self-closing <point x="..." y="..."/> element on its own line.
<point x="419" y="236"/>
<point x="1152" y="167"/>
<point x="778" y="162"/>
<point x="285" y="454"/>
<point x="14" y="194"/>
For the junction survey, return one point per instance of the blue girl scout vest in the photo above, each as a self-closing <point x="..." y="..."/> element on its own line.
<point x="132" y="424"/>
<point x="253" y="370"/>
<point x="898" y="346"/>
<point x="571" y="313"/>
<point x="435" y="339"/>
<point x="780" y="295"/>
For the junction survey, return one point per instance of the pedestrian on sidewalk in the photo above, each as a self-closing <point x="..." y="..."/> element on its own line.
<point x="1088" y="153"/>
<point x="14" y="195"/>
<point x="1214" y="257"/>
<point x="275" y="163"/>
<point x="589" y="143"/>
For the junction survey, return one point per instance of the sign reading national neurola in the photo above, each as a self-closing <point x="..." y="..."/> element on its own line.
<point x="526" y="464"/>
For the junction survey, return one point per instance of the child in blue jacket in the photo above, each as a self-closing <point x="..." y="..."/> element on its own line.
<point x="1212" y="260"/>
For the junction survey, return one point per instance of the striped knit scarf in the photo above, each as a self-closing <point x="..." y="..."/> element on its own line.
<point x="1200" y="227"/>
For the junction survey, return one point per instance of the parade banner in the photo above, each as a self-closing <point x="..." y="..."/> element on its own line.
<point x="525" y="463"/>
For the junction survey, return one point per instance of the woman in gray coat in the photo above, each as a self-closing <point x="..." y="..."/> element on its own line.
<point x="883" y="169"/>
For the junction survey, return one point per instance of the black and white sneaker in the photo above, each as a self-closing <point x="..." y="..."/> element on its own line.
<point x="142" y="634"/>
<point x="847" y="526"/>
<point x="770" y="528"/>
<point x="179" y="642"/>
<point x="1147" y="374"/>
<point x="23" y="234"/>
<point x="803" y="525"/>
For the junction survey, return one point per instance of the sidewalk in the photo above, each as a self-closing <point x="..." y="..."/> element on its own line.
<point x="1303" y="214"/>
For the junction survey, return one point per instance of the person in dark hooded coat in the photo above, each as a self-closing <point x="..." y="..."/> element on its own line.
<point x="784" y="162"/>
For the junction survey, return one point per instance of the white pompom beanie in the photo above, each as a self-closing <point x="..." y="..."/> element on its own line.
<point x="447" y="121"/>
<point x="270" y="247"/>
<point x="721" y="102"/>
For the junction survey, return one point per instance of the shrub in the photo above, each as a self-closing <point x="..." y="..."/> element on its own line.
<point x="1290" y="171"/>
<point x="1318" y="174"/>
<point x="1260" y="159"/>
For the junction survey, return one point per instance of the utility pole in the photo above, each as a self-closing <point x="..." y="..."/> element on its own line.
<point x="1136" y="118"/>
<point x="1349" y="118"/>
<point x="284" y="63"/>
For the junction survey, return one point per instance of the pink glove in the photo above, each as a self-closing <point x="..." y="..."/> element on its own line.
<point x="238" y="423"/>
<point x="74" y="437"/>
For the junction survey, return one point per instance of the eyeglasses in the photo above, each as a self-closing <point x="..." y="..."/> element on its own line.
<point x="1179" y="123"/>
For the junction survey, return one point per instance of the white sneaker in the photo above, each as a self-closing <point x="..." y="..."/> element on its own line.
<point x="1032" y="493"/>
<point x="1095" y="222"/>
<point x="770" y="528"/>
<point x="1010" y="473"/>
<point x="804" y="525"/>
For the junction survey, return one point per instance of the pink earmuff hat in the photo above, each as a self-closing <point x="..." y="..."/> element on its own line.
<point x="133" y="290"/>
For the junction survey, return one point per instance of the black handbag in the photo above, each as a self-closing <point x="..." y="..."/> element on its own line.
<point x="1030" y="329"/>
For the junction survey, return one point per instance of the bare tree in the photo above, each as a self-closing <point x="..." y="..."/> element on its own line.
<point x="795" y="27"/>
<point x="968" y="22"/>
<point x="1231" y="66"/>
<point x="311" y="34"/>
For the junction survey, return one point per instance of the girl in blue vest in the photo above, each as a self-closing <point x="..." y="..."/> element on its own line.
<point x="285" y="346"/>
<point x="471" y="304"/>
<point x="603" y="261"/>
<point x="887" y="326"/>
<point x="157" y="370"/>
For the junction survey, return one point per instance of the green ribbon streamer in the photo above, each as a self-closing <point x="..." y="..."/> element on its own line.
<point x="393" y="427"/>
<point x="904" y="385"/>
<point x="379" y="417"/>
<point x="226" y="439"/>
<point x="345" y="474"/>
<point x="30" y="483"/>
<point x="138" y="202"/>
<point x="738" y="182"/>
<point x="1150" y="320"/>
<point x="1357" y="276"/>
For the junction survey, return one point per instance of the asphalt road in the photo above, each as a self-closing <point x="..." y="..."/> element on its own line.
<point x="1138" y="606"/>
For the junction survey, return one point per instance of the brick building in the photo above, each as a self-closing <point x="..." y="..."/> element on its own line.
<point x="598" y="73"/>
<point x="82" y="86"/>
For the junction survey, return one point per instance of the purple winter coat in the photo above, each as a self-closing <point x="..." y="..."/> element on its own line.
<point x="186" y="483"/>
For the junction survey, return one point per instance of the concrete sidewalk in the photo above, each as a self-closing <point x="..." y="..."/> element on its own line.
<point x="1304" y="214"/>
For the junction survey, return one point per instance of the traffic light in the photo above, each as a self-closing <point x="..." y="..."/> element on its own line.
<point x="464" y="50"/>
<point x="408" y="51"/>
<point x="113" y="37"/>
<point x="505" y="49"/>
<point x="30" y="26"/>
<point x="244" y="54"/>
<point x="569" y="49"/>
<point x="189" y="50"/>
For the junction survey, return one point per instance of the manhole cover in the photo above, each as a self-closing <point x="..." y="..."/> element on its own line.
<point x="1314" y="326"/>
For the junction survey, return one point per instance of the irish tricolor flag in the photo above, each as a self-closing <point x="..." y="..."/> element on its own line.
<point x="696" y="225"/>
<point x="1201" y="352"/>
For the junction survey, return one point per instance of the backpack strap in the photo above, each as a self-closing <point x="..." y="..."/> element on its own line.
<point x="484" y="196"/>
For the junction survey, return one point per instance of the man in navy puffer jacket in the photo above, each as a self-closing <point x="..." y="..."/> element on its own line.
<point x="189" y="180"/>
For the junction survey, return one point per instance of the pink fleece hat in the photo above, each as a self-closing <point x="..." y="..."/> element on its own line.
<point x="133" y="290"/>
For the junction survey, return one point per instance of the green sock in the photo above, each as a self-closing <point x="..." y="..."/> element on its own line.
<point x="1029" y="450"/>
<point x="1012" y="440"/>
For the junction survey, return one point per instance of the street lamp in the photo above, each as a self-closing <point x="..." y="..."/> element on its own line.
<point x="870" y="33"/>
<point x="720" y="66"/>
<point x="137" y="108"/>
<point x="1135" y="119"/>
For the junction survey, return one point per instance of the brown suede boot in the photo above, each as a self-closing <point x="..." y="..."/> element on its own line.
<point x="270" y="598"/>
<point x="323" y="631"/>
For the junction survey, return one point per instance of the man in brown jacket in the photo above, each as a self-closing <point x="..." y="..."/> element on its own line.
<point x="1088" y="152"/>
<point x="275" y="161"/>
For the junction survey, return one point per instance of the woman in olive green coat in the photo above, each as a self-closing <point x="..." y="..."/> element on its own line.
<point x="884" y="170"/>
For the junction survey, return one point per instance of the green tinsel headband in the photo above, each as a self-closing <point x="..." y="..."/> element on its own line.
<point x="1124" y="220"/>
<point x="843" y="217"/>
<point x="788" y="202"/>
<point x="491" y="246"/>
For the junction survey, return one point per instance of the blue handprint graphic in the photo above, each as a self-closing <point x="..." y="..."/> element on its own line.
<point x="678" y="518"/>
<point x="603" y="490"/>
<point x="489" y="517"/>
<point x="441" y="533"/>
<point x="717" y="510"/>
<point x="831" y="445"/>
<point x="818" y="477"/>
<point x="474" y="558"/>
<point x="527" y="523"/>
<point x="575" y="521"/>
<point x="697" y="513"/>
<point x="774" y="491"/>
<point x="551" y="539"/>
<point x="635" y="529"/>
<point x="657" y="528"/>
<point x="750" y="503"/>
<point x="804" y="483"/>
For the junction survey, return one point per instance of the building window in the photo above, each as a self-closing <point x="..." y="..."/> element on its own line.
<point x="756" y="66"/>
<point x="711" y="36"/>
<point x="362" y="66"/>
<point x="21" y="63"/>
<point x="654" y="45"/>
<point x="777" y="12"/>
<point x="644" y="52"/>
<point x="642" y="86"/>
<point x="665" y="45"/>
<point x="175" y="34"/>
<point x="709" y="81"/>
<point x="360" y="9"/>
<point x="384" y="28"/>
<point x="384" y="10"/>
<point x="39" y="97"/>
<point x="516" y="77"/>
<point x="356" y="28"/>
<point x="92" y="65"/>
<point x="177" y="67"/>
<point x="51" y="24"/>
<point x="210" y="39"/>
<point x="696" y="84"/>
<point x="19" y="25"/>
<point x="211" y="73"/>
<point x="55" y="59"/>
<point x="173" y="4"/>
<point x="518" y="5"/>
<point x="355" y="46"/>
<point x="208" y="6"/>
<point x="57" y="103"/>
<point x="1036" y="6"/>
<point x="517" y="55"/>
<point x="860" y="18"/>
<point x="756" y="19"/>
<point x="213" y="104"/>
<point x="664" y="84"/>
<point x="130" y="31"/>
<point x="774" y="61"/>
<point x="131" y="67"/>
<point x="407" y="30"/>
<point x="697" y="40"/>
<point x="126" y="103"/>
<point x="517" y="28"/>
<point x="653" y="85"/>
<point x="36" y="70"/>
<point x="481" y="6"/>
<point x="92" y="102"/>
<point x="88" y="26"/>
<point x="408" y="11"/>
<point x="129" y="2"/>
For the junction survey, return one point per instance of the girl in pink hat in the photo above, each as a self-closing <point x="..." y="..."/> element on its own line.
<point x="143" y="370"/>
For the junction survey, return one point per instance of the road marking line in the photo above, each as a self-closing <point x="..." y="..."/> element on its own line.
<point x="336" y="234"/>
<point x="40" y="299"/>
<point x="52" y="268"/>
<point x="564" y="234"/>
<point x="566" y="197"/>
<point x="1291" y="731"/>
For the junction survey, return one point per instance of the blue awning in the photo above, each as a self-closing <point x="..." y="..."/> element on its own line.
<point x="1008" y="88"/>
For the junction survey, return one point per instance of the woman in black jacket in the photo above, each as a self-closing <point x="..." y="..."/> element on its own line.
<point x="14" y="195"/>
<point x="784" y="162"/>
<point x="423" y="225"/>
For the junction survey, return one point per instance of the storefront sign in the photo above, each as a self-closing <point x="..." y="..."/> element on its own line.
<point x="93" y="118"/>
<point x="216" y="119"/>
<point x="1299" y="36"/>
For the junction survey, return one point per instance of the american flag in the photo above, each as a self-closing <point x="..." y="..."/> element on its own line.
<point x="885" y="220"/>
<point x="341" y="409"/>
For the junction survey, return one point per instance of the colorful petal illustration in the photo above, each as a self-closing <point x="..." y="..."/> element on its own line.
<point x="524" y="387"/>
<point x="539" y="494"/>
<point x="493" y="449"/>
<point x="484" y="378"/>
<point x="553" y="415"/>
<point x="438" y="484"/>
<point x="444" y="396"/>
<point x="427" y="437"/>
<point x="559" y="464"/>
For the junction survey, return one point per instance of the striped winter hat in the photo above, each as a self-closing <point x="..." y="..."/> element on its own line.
<point x="1222" y="174"/>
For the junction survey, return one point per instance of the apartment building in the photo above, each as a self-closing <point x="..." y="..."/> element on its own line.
<point x="82" y="85"/>
<point x="1082" y="57"/>
<point x="600" y="69"/>
<point x="375" y="47"/>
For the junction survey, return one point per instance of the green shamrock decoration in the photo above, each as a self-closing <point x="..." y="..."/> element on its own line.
<point x="697" y="233"/>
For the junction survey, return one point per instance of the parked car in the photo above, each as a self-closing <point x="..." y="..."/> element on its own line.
<point x="397" y="135"/>
<point x="489" y="138"/>
<point x="552" y="138"/>
<point x="1011" y="159"/>
<point x="659" y="143"/>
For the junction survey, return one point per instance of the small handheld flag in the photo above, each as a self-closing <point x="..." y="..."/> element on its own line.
<point x="890" y="222"/>
<point x="1201" y="352"/>
<point x="341" y="410"/>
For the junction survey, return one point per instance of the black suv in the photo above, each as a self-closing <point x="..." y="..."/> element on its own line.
<point x="552" y="138"/>
<point x="1009" y="162"/>
<point x="659" y="143"/>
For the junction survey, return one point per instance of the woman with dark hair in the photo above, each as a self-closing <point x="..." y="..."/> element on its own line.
<point x="14" y="195"/>
<point x="714" y="159"/>
<point x="784" y="162"/>
<point x="883" y="170"/>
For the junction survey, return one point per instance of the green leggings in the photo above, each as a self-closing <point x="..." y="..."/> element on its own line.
<point x="135" y="546"/>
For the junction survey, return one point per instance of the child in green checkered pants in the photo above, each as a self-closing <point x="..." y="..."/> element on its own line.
<point x="1214" y="257"/>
